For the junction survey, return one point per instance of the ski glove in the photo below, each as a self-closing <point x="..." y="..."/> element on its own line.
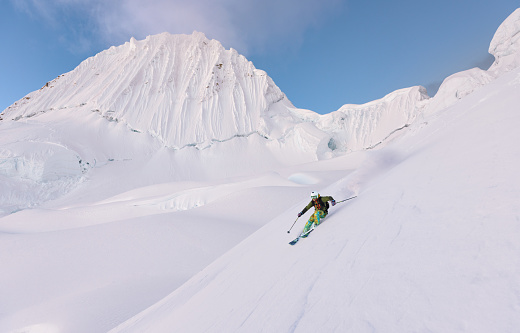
<point x="300" y="214"/>
<point x="333" y="202"/>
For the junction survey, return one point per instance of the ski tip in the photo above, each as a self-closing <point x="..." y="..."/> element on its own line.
<point x="294" y="241"/>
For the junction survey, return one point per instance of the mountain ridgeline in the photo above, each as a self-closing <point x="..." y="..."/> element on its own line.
<point x="188" y="91"/>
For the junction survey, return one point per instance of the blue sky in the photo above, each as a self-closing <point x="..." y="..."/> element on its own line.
<point x="321" y="53"/>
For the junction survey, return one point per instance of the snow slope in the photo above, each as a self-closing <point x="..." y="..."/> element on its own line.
<point x="109" y="221"/>
<point x="430" y="244"/>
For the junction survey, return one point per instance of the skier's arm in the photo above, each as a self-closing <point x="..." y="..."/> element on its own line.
<point x="309" y="206"/>
<point x="329" y="198"/>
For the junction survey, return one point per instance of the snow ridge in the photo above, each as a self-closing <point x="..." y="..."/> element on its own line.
<point x="505" y="45"/>
<point x="356" y="127"/>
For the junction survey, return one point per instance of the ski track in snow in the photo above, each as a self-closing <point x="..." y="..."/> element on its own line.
<point x="304" y="306"/>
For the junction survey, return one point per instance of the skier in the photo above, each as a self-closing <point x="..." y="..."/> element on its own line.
<point x="321" y="207"/>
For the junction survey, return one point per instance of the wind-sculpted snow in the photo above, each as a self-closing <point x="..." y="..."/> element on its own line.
<point x="505" y="45"/>
<point x="356" y="127"/>
<point x="457" y="86"/>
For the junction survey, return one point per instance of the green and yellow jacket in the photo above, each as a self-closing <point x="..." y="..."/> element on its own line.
<point x="321" y="204"/>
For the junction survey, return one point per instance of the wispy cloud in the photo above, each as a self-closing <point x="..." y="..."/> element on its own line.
<point x="246" y="25"/>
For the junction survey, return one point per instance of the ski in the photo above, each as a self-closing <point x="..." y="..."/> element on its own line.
<point x="307" y="233"/>
<point x="294" y="241"/>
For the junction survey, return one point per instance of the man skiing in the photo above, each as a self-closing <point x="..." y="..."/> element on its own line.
<point x="321" y="209"/>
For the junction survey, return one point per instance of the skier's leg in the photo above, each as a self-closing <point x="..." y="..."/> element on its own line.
<point x="309" y="224"/>
<point x="319" y="217"/>
<point x="307" y="227"/>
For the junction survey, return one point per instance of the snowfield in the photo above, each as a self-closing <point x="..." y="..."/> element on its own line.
<point x="135" y="199"/>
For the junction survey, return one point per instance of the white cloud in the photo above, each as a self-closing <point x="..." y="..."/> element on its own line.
<point x="246" y="25"/>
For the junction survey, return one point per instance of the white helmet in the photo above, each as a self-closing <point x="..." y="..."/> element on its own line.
<point x="314" y="195"/>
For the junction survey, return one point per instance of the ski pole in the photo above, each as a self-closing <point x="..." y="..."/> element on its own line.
<point x="289" y="231"/>
<point x="347" y="199"/>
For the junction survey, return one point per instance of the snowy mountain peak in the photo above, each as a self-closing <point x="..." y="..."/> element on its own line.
<point x="185" y="90"/>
